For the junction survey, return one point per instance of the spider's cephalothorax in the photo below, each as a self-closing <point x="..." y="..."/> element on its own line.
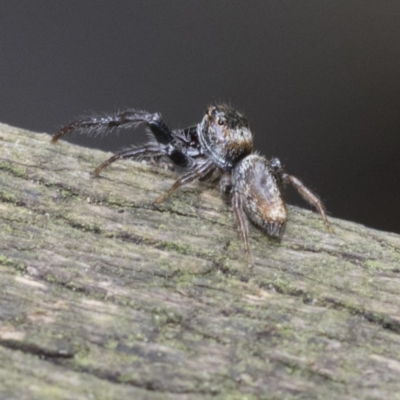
<point x="225" y="136"/>
<point x="220" y="145"/>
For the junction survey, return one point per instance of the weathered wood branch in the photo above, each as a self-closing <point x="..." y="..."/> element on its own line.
<point x="106" y="296"/>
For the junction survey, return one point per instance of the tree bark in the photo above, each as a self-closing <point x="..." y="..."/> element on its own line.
<point x="105" y="295"/>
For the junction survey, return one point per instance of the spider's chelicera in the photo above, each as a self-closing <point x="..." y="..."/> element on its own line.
<point x="220" y="146"/>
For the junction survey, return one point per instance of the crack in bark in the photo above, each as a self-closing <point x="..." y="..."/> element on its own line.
<point x="42" y="352"/>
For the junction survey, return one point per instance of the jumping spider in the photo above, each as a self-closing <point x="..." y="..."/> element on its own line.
<point x="221" y="146"/>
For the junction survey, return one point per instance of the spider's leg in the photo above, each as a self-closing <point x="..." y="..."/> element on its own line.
<point x="178" y="157"/>
<point x="225" y="187"/>
<point x="242" y="223"/>
<point x="126" y="119"/>
<point x="309" y="196"/>
<point x="188" y="135"/>
<point x="196" y="173"/>
<point x="147" y="151"/>
<point x="160" y="130"/>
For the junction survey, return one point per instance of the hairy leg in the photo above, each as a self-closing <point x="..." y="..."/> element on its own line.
<point x="126" y="119"/>
<point x="242" y="223"/>
<point x="147" y="151"/>
<point x="195" y="173"/>
<point x="309" y="196"/>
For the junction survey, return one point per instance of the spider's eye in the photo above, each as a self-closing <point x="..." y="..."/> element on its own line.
<point x="221" y="121"/>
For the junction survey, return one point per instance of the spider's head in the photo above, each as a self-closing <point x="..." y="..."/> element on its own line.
<point x="225" y="136"/>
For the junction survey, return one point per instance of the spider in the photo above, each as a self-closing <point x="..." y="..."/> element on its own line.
<point x="221" y="147"/>
<point x="215" y="145"/>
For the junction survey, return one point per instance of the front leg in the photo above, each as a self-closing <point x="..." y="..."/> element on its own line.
<point x="126" y="120"/>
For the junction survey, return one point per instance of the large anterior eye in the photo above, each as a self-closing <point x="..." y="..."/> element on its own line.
<point x="221" y="121"/>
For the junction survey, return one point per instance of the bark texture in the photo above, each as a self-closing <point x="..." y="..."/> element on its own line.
<point x="104" y="295"/>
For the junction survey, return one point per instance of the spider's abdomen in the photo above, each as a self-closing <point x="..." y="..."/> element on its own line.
<point x="254" y="180"/>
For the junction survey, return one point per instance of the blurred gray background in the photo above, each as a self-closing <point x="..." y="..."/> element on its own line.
<point x="318" y="79"/>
